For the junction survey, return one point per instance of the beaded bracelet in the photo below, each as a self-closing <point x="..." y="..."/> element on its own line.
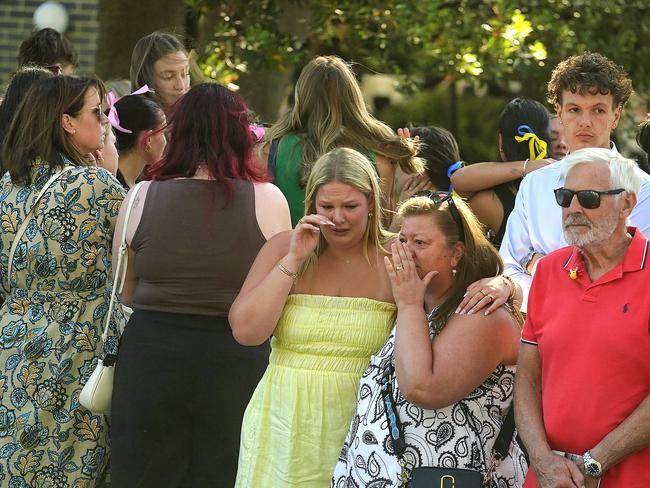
<point x="293" y="276"/>
<point x="511" y="284"/>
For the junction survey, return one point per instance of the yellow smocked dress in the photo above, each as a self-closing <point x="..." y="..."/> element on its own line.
<point x="297" y="419"/>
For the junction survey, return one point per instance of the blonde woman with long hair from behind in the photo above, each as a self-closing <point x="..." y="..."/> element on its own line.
<point x="323" y="294"/>
<point x="329" y="112"/>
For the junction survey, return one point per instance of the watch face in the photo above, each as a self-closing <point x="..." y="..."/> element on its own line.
<point x="593" y="468"/>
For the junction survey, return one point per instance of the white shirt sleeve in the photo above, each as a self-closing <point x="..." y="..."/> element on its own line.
<point x="640" y="216"/>
<point x="516" y="243"/>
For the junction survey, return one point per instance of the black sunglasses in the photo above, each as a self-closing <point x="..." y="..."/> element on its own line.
<point x="586" y="198"/>
<point x="439" y="197"/>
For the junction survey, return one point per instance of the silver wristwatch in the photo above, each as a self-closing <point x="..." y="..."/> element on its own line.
<point x="592" y="467"/>
<point x="529" y="257"/>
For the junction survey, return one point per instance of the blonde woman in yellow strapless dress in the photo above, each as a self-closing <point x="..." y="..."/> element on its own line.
<point x="323" y="293"/>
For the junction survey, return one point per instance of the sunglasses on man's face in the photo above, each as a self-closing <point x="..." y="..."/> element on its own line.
<point x="438" y="198"/>
<point x="586" y="198"/>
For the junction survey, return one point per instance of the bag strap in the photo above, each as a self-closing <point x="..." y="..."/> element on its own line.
<point x="23" y="226"/>
<point x="502" y="444"/>
<point x="119" y="275"/>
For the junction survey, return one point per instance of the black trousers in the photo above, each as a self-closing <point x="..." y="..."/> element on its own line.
<point x="181" y="386"/>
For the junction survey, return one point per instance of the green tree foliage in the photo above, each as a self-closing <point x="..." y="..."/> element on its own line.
<point x="506" y="48"/>
<point x="425" y="41"/>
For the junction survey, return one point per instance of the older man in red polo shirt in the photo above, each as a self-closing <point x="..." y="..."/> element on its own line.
<point x="582" y="389"/>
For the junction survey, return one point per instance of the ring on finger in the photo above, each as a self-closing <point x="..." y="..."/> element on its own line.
<point x="483" y="293"/>
<point x="490" y="297"/>
<point x="399" y="267"/>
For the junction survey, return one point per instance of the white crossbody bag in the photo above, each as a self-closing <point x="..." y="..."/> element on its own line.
<point x="97" y="393"/>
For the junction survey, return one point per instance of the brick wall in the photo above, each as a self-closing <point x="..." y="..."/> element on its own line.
<point x="16" y="24"/>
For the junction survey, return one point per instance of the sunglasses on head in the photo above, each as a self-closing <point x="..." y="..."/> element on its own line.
<point x="55" y="69"/>
<point x="438" y="198"/>
<point x="586" y="198"/>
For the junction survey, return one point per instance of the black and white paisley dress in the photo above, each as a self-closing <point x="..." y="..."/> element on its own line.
<point x="461" y="435"/>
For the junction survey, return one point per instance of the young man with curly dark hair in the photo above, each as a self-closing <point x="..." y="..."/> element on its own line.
<point x="588" y="92"/>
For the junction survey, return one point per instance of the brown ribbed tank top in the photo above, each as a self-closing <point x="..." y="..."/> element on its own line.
<point x="194" y="245"/>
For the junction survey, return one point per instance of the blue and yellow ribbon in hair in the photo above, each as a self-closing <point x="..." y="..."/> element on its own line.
<point x="536" y="147"/>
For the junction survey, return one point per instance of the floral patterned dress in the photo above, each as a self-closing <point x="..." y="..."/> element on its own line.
<point x="50" y="327"/>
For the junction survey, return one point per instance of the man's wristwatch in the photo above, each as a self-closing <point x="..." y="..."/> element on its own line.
<point x="592" y="467"/>
<point x="528" y="259"/>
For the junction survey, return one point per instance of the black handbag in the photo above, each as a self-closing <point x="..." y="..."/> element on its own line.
<point x="428" y="477"/>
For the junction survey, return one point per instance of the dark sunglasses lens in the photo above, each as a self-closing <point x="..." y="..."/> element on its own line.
<point x="436" y="197"/>
<point x="439" y="197"/>
<point x="589" y="199"/>
<point x="563" y="197"/>
<point x="586" y="198"/>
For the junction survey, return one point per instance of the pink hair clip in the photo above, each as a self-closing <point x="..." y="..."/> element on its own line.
<point x="113" y="118"/>
<point x="258" y="132"/>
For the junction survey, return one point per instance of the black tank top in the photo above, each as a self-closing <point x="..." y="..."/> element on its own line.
<point x="507" y="199"/>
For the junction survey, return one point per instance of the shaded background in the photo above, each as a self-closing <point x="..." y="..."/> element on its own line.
<point x="453" y="63"/>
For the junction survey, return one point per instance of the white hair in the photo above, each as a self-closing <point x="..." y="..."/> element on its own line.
<point x="623" y="172"/>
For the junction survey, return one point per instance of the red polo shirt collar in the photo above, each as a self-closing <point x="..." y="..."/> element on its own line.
<point x="636" y="258"/>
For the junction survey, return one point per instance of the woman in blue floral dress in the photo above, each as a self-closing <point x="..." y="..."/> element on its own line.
<point x="55" y="298"/>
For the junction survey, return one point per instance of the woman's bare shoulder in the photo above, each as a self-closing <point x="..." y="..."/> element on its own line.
<point x="279" y="242"/>
<point x="266" y="188"/>
<point x="501" y="319"/>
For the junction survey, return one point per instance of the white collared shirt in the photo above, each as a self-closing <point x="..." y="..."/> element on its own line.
<point x="535" y="224"/>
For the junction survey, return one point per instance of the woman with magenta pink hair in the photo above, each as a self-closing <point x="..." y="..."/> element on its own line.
<point x="182" y="382"/>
